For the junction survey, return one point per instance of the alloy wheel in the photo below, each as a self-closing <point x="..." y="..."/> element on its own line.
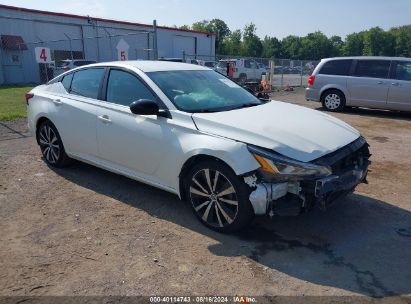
<point x="214" y="198"/>
<point x="49" y="144"/>
<point x="332" y="101"/>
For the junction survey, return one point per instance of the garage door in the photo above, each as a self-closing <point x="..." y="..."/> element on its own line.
<point x="183" y="43"/>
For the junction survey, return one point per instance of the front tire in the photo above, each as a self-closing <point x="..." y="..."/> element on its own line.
<point x="333" y="100"/>
<point x="51" y="145"/>
<point x="219" y="198"/>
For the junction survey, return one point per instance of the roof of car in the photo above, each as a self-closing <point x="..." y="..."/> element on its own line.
<point x="370" y="57"/>
<point x="154" y="66"/>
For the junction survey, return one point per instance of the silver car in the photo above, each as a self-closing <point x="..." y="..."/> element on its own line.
<point x="371" y="82"/>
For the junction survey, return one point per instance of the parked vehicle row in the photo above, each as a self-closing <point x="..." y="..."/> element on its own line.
<point x="371" y="82"/>
<point x="191" y="131"/>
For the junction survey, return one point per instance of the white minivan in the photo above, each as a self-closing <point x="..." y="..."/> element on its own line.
<point x="191" y="131"/>
<point x="370" y="82"/>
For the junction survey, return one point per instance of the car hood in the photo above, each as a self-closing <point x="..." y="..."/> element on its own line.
<point x="293" y="131"/>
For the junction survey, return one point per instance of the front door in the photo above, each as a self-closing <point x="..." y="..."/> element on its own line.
<point x="368" y="87"/>
<point x="399" y="94"/>
<point x="131" y="143"/>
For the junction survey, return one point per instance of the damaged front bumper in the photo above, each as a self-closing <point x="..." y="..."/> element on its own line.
<point x="288" y="198"/>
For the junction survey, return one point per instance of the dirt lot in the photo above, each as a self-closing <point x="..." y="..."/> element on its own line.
<point x="84" y="231"/>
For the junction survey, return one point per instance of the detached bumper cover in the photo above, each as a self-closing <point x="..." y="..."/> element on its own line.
<point x="333" y="183"/>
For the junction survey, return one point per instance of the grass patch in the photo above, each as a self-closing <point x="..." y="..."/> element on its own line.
<point x="13" y="102"/>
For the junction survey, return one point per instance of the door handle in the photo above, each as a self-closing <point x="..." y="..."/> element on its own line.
<point x="57" y="102"/>
<point x="104" y="118"/>
<point x="380" y="82"/>
<point x="395" y="84"/>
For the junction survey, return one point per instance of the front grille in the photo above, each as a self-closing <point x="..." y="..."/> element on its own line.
<point x="354" y="155"/>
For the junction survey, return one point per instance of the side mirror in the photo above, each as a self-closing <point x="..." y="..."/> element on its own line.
<point x="144" y="107"/>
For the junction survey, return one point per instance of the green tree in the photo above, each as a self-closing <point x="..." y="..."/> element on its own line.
<point x="377" y="42"/>
<point x="184" y="27"/>
<point x="220" y="28"/>
<point x="271" y="47"/>
<point x="232" y="43"/>
<point x="291" y="46"/>
<point x="202" y="26"/>
<point x="251" y="45"/>
<point x="353" y="45"/>
<point x="336" y="46"/>
<point x="402" y="38"/>
<point x="314" y="46"/>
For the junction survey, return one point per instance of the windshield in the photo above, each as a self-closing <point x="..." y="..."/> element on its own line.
<point x="202" y="91"/>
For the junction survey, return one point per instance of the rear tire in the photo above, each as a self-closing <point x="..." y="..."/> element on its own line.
<point x="333" y="100"/>
<point x="51" y="145"/>
<point x="243" y="78"/>
<point x="219" y="198"/>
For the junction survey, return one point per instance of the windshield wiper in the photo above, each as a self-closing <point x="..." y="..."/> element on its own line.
<point x="206" y="111"/>
<point x="245" y="105"/>
<point x="228" y="108"/>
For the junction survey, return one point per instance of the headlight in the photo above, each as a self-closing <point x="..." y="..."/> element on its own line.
<point x="277" y="167"/>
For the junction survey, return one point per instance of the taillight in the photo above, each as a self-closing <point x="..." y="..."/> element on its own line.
<point x="311" y="80"/>
<point x="28" y="97"/>
<point x="66" y="68"/>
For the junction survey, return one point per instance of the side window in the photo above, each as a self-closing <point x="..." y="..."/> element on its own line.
<point x="372" y="68"/>
<point x="247" y="64"/>
<point x="403" y="71"/>
<point x="336" y="67"/>
<point x="123" y="88"/>
<point x="66" y="81"/>
<point x="253" y="64"/>
<point x="87" y="82"/>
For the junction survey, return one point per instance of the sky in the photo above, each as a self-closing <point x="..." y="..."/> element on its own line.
<point x="271" y="17"/>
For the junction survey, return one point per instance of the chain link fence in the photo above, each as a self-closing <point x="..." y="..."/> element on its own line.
<point x="41" y="61"/>
<point x="281" y="73"/>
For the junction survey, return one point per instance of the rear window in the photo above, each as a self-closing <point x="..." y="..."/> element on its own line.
<point x="336" y="67"/>
<point x="372" y="68"/>
<point x="87" y="82"/>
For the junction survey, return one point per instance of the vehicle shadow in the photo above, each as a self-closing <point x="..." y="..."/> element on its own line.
<point x="359" y="245"/>
<point x="373" y="112"/>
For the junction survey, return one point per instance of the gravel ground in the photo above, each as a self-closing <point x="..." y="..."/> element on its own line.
<point x="85" y="231"/>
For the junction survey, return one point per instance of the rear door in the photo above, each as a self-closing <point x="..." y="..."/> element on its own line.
<point x="76" y="106"/>
<point x="368" y="86"/>
<point x="399" y="94"/>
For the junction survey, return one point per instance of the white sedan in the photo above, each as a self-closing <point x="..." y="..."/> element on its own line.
<point x="191" y="131"/>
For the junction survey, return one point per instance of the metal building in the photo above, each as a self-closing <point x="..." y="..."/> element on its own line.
<point x="69" y="36"/>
